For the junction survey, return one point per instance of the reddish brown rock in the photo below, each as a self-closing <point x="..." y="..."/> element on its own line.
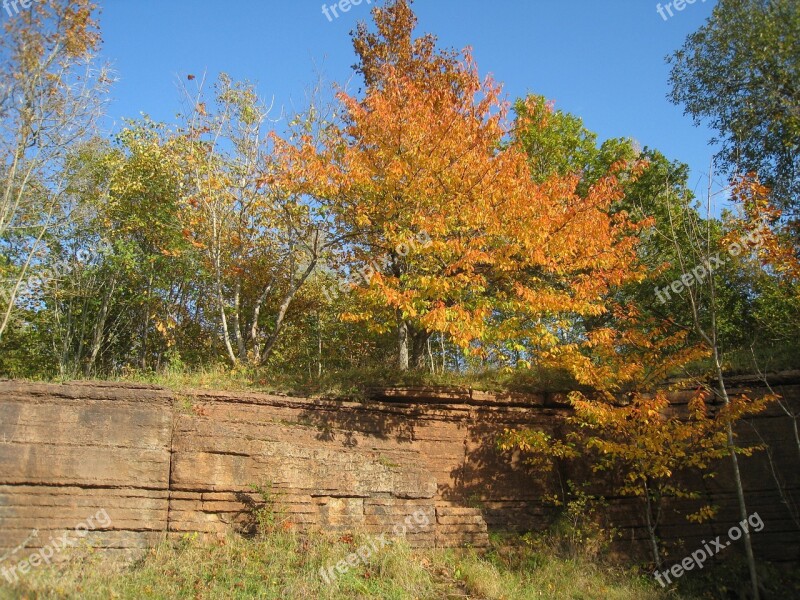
<point x="162" y="464"/>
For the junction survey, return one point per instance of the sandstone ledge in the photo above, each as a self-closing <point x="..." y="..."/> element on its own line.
<point x="164" y="463"/>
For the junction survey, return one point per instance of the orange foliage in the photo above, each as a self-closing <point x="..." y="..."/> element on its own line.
<point x="776" y="249"/>
<point x="429" y="148"/>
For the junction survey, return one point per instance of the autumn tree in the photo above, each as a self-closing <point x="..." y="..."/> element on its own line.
<point x="627" y="427"/>
<point x="775" y="265"/>
<point x="260" y="242"/>
<point x="429" y="152"/>
<point x="649" y="448"/>
<point x="694" y="241"/>
<point x="51" y="94"/>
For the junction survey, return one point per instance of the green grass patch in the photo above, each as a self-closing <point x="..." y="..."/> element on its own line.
<point x="353" y="384"/>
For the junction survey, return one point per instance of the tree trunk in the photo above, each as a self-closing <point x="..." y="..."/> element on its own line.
<point x="402" y="341"/>
<point x="651" y="527"/>
<point x="100" y="326"/>
<point x="419" y="347"/>
<point x="146" y="321"/>
<point x="711" y="337"/>
<point x="737" y="477"/>
<point x="237" y="321"/>
<point x="444" y="353"/>
<point x="412" y="347"/>
<point x="254" y="325"/>
<point x="226" y="337"/>
<point x="284" y="308"/>
<point x="319" y="346"/>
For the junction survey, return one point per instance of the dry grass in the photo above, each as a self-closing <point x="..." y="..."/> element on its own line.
<point x="285" y="565"/>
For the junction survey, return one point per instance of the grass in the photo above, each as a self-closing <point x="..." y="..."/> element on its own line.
<point x="285" y="564"/>
<point x="569" y="561"/>
<point x="353" y="384"/>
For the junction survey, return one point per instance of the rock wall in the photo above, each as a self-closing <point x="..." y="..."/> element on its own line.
<point x="67" y="451"/>
<point x="163" y="464"/>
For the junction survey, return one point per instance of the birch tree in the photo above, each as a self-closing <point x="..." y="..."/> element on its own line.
<point x="51" y="96"/>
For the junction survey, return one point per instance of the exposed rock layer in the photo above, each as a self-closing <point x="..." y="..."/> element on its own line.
<point x="163" y="464"/>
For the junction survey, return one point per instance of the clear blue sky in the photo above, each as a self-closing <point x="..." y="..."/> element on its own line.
<point x="601" y="60"/>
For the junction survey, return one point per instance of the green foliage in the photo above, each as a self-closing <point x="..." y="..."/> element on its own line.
<point x="739" y="74"/>
<point x="267" y="512"/>
<point x="558" y="143"/>
<point x="580" y="530"/>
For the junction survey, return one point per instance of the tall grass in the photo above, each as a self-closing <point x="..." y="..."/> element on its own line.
<point x="286" y="565"/>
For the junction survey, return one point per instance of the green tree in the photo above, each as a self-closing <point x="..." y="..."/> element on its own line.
<point x="559" y="144"/>
<point x="51" y="94"/>
<point x="740" y="73"/>
<point x="152" y="274"/>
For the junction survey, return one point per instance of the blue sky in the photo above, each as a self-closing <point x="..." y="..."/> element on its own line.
<point x="603" y="61"/>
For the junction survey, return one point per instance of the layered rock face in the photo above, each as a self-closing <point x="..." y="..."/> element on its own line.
<point x="67" y="451"/>
<point x="161" y="464"/>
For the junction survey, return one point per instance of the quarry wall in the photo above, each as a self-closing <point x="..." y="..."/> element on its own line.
<point x="162" y="463"/>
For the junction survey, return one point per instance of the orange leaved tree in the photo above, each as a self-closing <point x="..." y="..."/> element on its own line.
<point x="429" y="153"/>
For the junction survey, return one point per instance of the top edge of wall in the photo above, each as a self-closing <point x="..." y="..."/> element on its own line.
<point x="412" y="395"/>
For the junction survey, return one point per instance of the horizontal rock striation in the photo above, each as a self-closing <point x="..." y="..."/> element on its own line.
<point x="162" y="464"/>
